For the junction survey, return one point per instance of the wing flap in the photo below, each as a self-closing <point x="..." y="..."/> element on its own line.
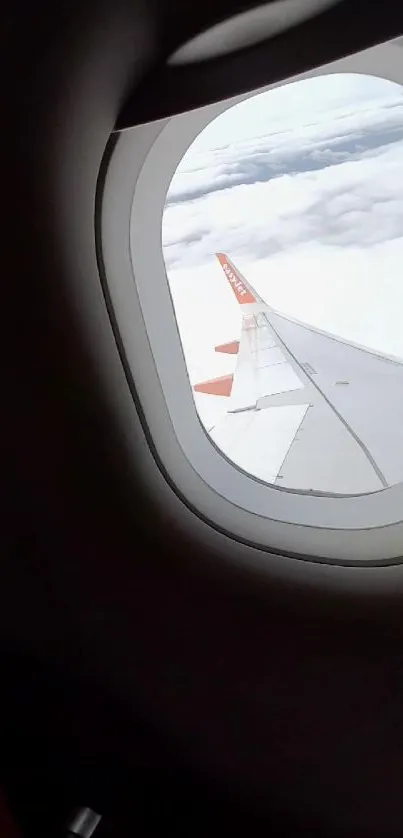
<point x="267" y="357"/>
<point x="258" y="440"/>
<point x="262" y="368"/>
<point x="277" y="378"/>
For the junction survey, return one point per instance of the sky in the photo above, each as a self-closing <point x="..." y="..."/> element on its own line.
<point x="302" y="187"/>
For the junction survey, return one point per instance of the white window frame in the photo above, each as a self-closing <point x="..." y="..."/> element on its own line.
<point x="361" y="529"/>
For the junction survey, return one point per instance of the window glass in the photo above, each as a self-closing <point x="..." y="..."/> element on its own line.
<point x="283" y="243"/>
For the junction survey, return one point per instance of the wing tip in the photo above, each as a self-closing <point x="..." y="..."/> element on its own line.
<point x="242" y="291"/>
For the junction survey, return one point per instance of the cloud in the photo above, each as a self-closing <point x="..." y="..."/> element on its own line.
<point x="311" y="143"/>
<point x="259" y="166"/>
<point x="354" y="202"/>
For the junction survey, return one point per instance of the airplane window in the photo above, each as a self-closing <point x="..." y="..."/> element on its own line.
<point x="283" y="244"/>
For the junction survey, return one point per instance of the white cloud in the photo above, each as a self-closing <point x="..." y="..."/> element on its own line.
<point x="303" y="187"/>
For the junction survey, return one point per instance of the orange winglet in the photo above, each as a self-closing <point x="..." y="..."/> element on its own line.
<point x="242" y="294"/>
<point x="231" y="348"/>
<point x="216" y="386"/>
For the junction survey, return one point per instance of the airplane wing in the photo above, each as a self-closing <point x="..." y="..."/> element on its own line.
<point x="307" y="410"/>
